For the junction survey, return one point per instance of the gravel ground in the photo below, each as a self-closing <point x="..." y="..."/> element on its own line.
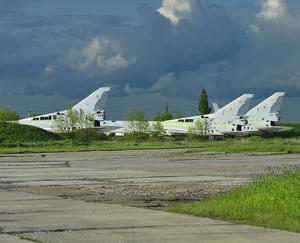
<point x="136" y="195"/>
<point x="156" y="178"/>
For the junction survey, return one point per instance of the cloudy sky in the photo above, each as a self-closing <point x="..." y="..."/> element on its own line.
<point x="152" y="52"/>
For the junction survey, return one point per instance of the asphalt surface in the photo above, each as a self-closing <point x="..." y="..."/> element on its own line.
<point x="26" y="217"/>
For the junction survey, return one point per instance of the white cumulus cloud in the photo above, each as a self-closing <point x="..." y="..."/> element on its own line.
<point x="272" y="9"/>
<point x="177" y="9"/>
<point x="104" y="54"/>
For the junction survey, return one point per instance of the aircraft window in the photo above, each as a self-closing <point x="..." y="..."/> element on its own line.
<point x="206" y="117"/>
<point x="36" y="118"/>
<point x="232" y="129"/>
<point x="180" y="120"/>
<point x="202" y="116"/>
<point x="50" y="117"/>
<point x="113" y="121"/>
<point x="188" y="120"/>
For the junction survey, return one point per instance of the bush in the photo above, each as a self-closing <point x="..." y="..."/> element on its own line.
<point x="17" y="133"/>
<point x="8" y="115"/>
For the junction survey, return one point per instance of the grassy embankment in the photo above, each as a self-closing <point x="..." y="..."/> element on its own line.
<point x="271" y="201"/>
<point x="16" y="138"/>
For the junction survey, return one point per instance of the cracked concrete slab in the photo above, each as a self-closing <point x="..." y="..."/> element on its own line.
<point x="168" y="175"/>
<point x="50" y="219"/>
<point x="12" y="239"/>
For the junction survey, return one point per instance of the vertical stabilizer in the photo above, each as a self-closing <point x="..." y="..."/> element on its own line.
<point x="267" y="109"/>
<point x="89" y="103"/>
<point x="235" y="108"/>
<point x="215" y="107"/>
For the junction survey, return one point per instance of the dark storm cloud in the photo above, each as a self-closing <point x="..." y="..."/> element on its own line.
<point x="155" y="47"/>
<point x="9" y="6"/>
<point x="176" y="51"/>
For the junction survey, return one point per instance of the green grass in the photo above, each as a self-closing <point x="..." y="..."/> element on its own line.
<point x="252" y="144"/>
<point x="16" y="138"/>
<point x="271" y="201"/>
<point x="14" y="133"/>
<point x="74" y="146"/>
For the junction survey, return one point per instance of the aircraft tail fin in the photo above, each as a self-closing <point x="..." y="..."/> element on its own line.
<point x="267" y="109"/>
<point x="215" y="107"/>
<point x="89" y="103"/>
<point x="235" y="108"/>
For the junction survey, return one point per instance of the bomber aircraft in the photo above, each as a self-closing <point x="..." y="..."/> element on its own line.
<point x="88" y="105"/>
<point x="226" y="121"/>
<point x="263" y="116"/>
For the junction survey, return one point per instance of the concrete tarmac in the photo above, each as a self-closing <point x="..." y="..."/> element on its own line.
<point x="50" y="219"/>
<point x="27" y="217"/>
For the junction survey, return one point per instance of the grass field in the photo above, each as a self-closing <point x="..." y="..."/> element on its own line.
<point x="74" y="146"/>
<point x="16" y="138"/>
<point x="271" y="201"/>
<point x="252" y="144"/>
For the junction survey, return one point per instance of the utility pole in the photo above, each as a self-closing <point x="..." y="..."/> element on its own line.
<point x="167" y="108"/>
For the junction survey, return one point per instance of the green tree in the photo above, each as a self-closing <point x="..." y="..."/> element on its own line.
<point x="34" y="114"/>
<point x="176" y="114"/>
<point x="136" y="122"/>
<point x="203" y="103"/>
<point x="158" y="129"/>
<point x="199" y="130"/>
<point x="202" y="127"/>
<point x="162" y="116"/>
<point x="8" y="115"/>
<point x="73" y="119"/>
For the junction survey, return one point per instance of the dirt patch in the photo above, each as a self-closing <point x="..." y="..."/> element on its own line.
<point x="135" y="195"/>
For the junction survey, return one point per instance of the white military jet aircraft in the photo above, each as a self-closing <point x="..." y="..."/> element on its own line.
<point x="263" y="116"/>
<point x="225" y="121"/>
<point x="88" y="105"/>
